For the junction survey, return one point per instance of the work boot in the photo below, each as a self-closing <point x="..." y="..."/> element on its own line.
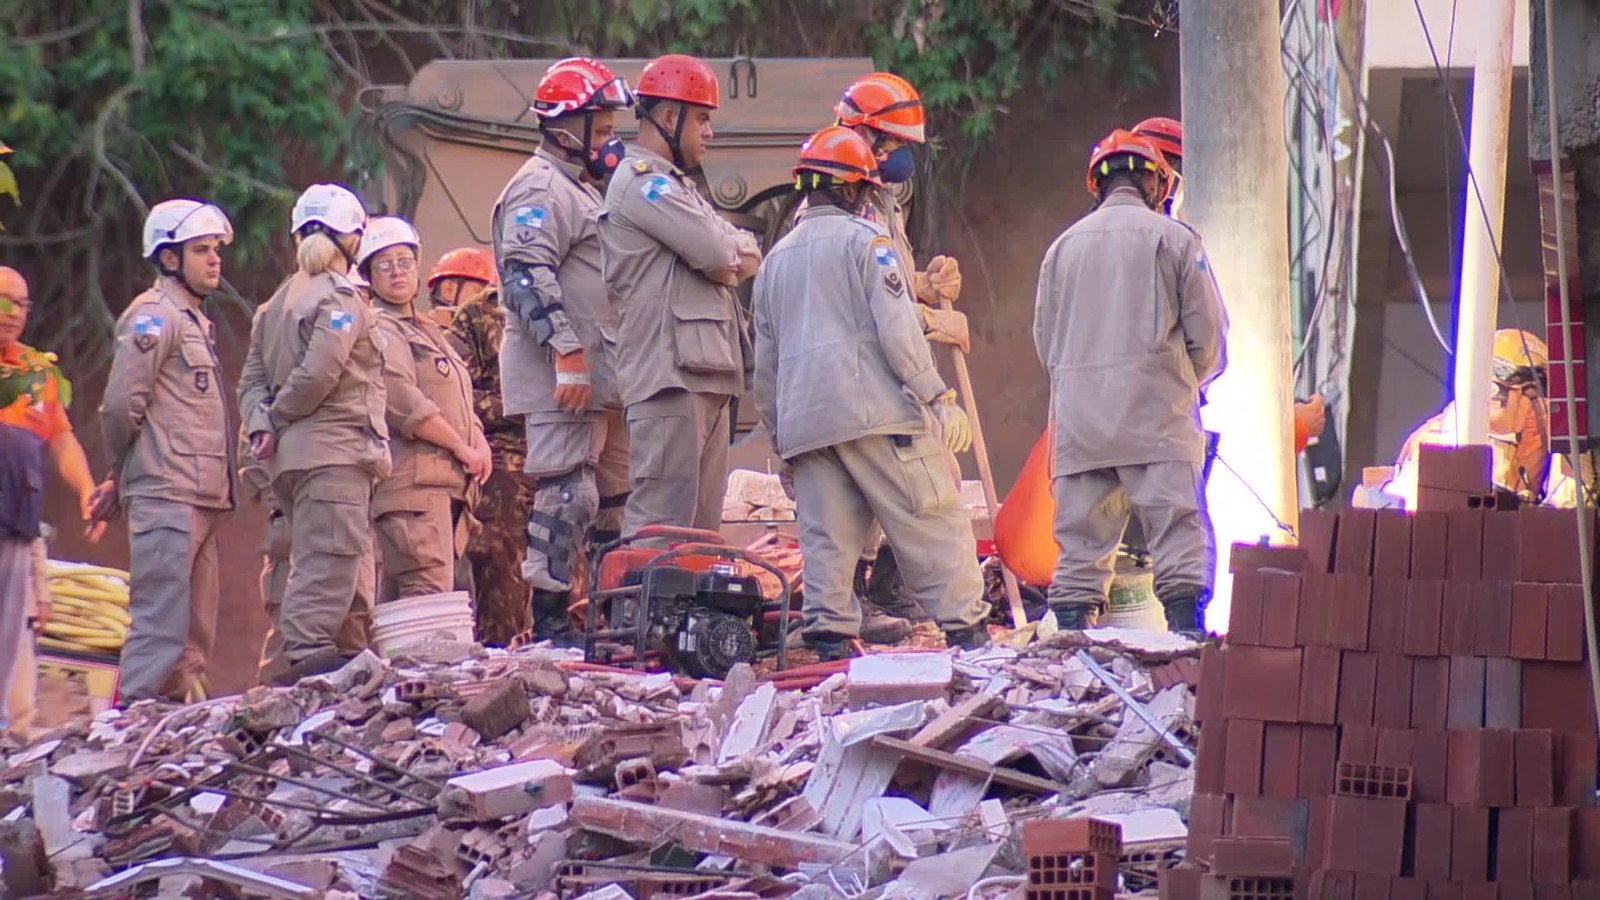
<point x="878" y="627"/>
<point x="971" y="638"/>
<point x="828" y="646"/>
<point x="1186" y="614"/>
<point x="551" y="622"/>
<point x="887" y="590"/>
<point x="319" y="663"/>
<point x="1075" y="616"/>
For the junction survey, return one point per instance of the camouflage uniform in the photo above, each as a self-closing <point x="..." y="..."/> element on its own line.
<point x="495" y="550"/>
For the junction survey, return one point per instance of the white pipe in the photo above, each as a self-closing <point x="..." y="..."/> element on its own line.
<point x="1484" y="214"/>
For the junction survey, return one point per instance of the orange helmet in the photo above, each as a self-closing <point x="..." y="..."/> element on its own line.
<point x="886" y="102"/>
<point x="841" y="153"/>
<point x="475" y="263"/>
<point x="1166" y="134"/>
<point x="1122" y="150"/>
<point x="682" y="78"/>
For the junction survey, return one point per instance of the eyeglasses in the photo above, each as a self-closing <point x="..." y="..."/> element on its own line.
<point x="12" y="305"/>
<point x="395" y="266"/>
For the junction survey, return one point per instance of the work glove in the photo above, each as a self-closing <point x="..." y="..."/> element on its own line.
<point x="573" y="390"/>
<point x="944" y="279"/>
<point x="946" y="326"/>
<point x="953" y="422"/>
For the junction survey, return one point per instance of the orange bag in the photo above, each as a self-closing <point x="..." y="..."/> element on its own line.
<point x="1024" y="527"/>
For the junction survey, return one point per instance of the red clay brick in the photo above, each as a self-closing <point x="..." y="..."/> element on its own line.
<point x="1316" y="849"/>
<point x="1325" y="885"/>
<point x="1358" y="743"/>
<point x="1469" y="844"/>
<point x="1444" y="890"/>
<point x="1536" y="766"/>
<point x="1480" y="890"/>
<point x="1318" y="527"/>
<point x="1244" y="622"/>
<point x="1265" y="558"/>
<point x="1280" y="767"/>
<point x="1466" y="692"/>
<point x="1316" y="609"/>
<point x="1466" y="545"/>
<point x="1466" y="758"/>
<point x="1386" y="625"/>
<point x="1391" y="544"/>
<point x="1514" y="890"/>
<point x="1552" y="844"/>
<point x="1241" y="770"/>
<point x="1565" y="627"/>
<point x="1430" y="759"/>
<point x="1395" y="746"/>
<point x="1557" y="696"/>
<point x="1576" y="769"/>
<point x="1353" y="548"/>
<point x="1358" y="684"/>
<point x="1349" y="619"/>
<point x="1532" y="605"/>
<point x="1208" y="817"/>
<point x="1586" y="844"/>
<point x="1180" y="882"/>
<point x="1550" y="546"/>
<point x="1492" y="629"/>
<point x="1463" y="469"/>
<point x="1502" y="693"/>
<point x="1263" y="683"/>
<point x="1557" y="892"/>
<point x="1366" y="835"/>
<point x="1392" y="697"/>
<point x="1430" y="541"/>
<point x="1430" y="692"/>
<point x="1319" y="685"/>
<point x="1266" y="817"/>
<point x="1372" y="887"/>
<point x="1458" y="629"/>
<point x="1514" y="846"/>
<point x="1498" y="771"/>
<point x="1211" y="757"/>
<point x="1502" y="531"/>
<point x="1408" y="889"/>
<point x="1424" y="616"/>
<point x="1319" y="751"/>
<point x="1271" y="857"/>
<point x="1082" y="834"/>
<point x="1431" y="841"/>
<point x="1213" y="685"/>
<point x="1280" y="609"/>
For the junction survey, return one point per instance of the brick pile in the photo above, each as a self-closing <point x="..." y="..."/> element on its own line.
<point x="1071" y="859"/>
<point x="1402" y="708"/>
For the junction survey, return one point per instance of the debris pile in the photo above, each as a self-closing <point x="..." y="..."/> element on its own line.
<point x="455" y="771"/>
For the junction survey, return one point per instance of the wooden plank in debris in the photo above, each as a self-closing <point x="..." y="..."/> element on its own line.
<point x="953" y="722"/>
<point x="705" y="834"/>
<point x="968" y="766"/>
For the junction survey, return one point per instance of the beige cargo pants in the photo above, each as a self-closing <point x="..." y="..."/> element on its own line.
<point x="1094" y="508"/>
<point x="354" y="632"/>
<point x="678" y="461"/>
<point x="331" y="553"/>
<point x="172" y="599"/>
<point x="905" y="484"/>
<point x="417" y="546"/>
<point x="581" y="472"/>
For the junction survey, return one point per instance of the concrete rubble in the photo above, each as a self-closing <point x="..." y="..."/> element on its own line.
<point x="455" y="771"/>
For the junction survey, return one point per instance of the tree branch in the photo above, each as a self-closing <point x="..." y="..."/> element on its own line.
<point x="271" y="190"/>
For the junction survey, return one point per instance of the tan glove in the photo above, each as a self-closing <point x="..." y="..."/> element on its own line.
<point x="944" y="277"/>
<point x="945" y="326"/>
<point x="953" y="422"/>
<point x="573" y="390"/>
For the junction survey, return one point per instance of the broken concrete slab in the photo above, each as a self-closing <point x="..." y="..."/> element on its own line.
<point x="748" y="726"/>
<point x="506" y="790"/>
<point x="705" y="834"/>
<point x="888" y="678"/>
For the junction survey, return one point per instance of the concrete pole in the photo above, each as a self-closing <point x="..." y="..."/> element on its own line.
<point x="1236" y="175"/>
<point x="1484" y="214"/>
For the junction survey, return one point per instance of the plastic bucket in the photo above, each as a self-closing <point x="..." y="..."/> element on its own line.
<point x="1134" y="604"/>
<point x="408" y="620"/>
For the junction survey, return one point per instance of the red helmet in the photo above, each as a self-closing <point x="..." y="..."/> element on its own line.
<point x="884" y="101"/>
<point x="682" y="78"/>
<point x="475" y="263"/>
<point x="579" y="83"/>
<point x="1122" y="150"/>
<point x="1166" y="134"/>
<point x="841" y="153"/>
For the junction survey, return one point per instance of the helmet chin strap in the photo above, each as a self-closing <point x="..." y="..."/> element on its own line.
<point x="177" y="274"/>
<point x="675" y="139"/>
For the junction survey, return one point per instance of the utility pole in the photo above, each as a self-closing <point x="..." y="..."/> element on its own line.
<point x="1484" y="214"/>
<point x="1235" y="178"/>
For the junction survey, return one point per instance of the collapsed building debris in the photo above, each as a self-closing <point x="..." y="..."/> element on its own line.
<point x="486" y="773"/>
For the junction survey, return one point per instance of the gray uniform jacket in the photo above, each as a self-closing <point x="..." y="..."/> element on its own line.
<point x="314" y="377"/>
<point x="546" y="218"/>
<point x="658" y="237"/>
<point x="1130" y="326"/>
<point x="422" y="377"/>
<point x="839" y="354"/>
<point x="163" y="416"/>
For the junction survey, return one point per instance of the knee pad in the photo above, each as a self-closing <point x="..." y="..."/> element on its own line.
<point x="563" y="509"/>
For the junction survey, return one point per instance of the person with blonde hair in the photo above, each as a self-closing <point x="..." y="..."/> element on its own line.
<point x="313" y="401"/>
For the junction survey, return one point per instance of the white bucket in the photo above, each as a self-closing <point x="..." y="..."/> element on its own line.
<point x="408" y="620"/>
<point x="1134" y="604"/>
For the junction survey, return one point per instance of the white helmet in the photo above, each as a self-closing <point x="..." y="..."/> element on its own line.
<point x="383" y="232"/>
<point x="334" y="207"/>
<point x="176" y="221"/>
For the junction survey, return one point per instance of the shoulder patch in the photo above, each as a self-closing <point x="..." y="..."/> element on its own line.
<point x="883" y="252"/>
<point x="341" y="320"/>
<point x="528" y="216"/>
<point x="146" y="330"/>
<point x="640" y="165"/>
<point x="1200" y="261"/>
<point x="655" y="188"/>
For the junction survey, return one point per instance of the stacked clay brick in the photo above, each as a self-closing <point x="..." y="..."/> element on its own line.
<point x="1071" y="859"/>
<point x="1402" y="709"/>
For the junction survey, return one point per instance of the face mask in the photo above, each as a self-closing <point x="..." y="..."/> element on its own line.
<point x="898" y="166"/>
<point x="603" y="160"/>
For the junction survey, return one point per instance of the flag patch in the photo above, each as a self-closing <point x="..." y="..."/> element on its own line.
<point x="656" y="188"/>
<point x="340" y="320"/>
<point x="529" y="216"/>
<point x="145" y="324"/>
<point x="883" y="252"/>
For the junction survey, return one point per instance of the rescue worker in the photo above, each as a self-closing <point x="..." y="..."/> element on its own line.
<point x="1167" y="136"/>
<point x="671" y="263"/>
<point x="312" y="396"/>
<point x="846" y="385"/>
<point x="457" y="278"/>
<point x="436" y="444"/>
<point x="168" y="434"/>
<point x="494" y="553"/>
<point x="557" y="362"/>
<point x="33" y="422"/>
<point x="1145" y="357"/>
